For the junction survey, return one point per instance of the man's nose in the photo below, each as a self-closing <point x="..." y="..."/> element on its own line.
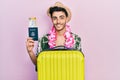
<point x="58" y="21"/>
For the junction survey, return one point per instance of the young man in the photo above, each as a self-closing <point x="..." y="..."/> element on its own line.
<point x="59" y="35"/>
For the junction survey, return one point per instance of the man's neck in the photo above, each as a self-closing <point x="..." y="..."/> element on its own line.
<point x="61" y="33"/>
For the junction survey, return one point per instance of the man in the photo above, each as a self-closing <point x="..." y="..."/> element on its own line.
<point x="59" y="35"/>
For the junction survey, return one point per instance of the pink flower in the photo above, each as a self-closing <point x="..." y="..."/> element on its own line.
<point x="69" y="38"/>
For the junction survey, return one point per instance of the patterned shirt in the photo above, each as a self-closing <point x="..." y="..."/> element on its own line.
<point x="43" y="43"/>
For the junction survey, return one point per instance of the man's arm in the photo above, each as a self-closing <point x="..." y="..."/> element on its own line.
<point x="30" y="46"/>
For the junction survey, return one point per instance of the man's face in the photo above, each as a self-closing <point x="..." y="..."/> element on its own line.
<point x="59" y="20"/>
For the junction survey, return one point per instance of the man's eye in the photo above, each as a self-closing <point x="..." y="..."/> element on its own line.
<point x="54" y="18"/>
<point x="62" y="17"/>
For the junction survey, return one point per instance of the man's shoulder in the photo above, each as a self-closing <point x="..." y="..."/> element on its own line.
<point x="75" y="36"/>
<point x="44" y="37"/>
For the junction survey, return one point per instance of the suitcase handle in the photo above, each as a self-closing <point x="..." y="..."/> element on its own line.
<point x="59" y="48"/>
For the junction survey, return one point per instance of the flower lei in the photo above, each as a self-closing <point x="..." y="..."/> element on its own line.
<point x="68" y="37"/>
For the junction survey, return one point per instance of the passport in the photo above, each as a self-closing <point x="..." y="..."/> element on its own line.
<point x="33" y="33"/>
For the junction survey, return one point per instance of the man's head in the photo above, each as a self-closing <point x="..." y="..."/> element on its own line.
<point x="57" y="9"/>
<point x="60" y="15"/>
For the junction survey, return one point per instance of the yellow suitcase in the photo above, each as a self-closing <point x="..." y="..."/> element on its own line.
<point x="60" y="65"/>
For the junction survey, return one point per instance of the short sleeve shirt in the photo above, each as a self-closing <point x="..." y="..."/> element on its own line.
<point x="43" y="43"/>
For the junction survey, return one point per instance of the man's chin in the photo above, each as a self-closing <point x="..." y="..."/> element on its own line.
<point x="58" y="28"/>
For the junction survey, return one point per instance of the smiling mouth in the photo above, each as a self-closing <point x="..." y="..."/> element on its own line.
<point x="58" y="25"/>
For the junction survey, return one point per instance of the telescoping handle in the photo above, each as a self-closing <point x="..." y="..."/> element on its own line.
<point x="61" y="48"/>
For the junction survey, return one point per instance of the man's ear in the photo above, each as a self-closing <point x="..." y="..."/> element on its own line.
<point x="67" y="19"/>
<point x="51" y="19"/>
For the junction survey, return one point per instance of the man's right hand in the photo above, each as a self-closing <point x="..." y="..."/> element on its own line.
<point x="30" y="44"/>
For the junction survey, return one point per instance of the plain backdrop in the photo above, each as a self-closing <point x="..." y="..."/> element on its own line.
<point x="97" y="22"/>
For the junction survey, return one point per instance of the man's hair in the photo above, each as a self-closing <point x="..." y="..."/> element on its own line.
<point x="56" y="8"/>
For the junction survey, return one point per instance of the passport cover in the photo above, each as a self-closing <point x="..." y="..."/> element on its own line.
<point x="33" y="33"/>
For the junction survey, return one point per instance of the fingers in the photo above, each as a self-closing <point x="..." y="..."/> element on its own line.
<point x="30" y="41"/>
<point x="29" y="44"/>
<point x="29" y="38"/>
